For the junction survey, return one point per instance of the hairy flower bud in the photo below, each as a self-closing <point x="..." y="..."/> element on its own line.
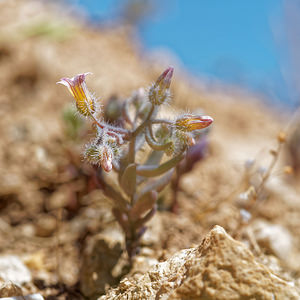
<point x="106" y="159"/>
<point x="159" y="92"/>
<point x="189" y="122"/>
<point x="85" y="102"/>
<point x="164" y="80"/>
<point x="102" y="155"/>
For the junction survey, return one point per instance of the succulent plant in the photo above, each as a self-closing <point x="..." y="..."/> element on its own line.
<point x="162" y="142"/>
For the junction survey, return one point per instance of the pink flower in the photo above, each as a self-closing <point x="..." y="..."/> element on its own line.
<point x="84" y="100"/>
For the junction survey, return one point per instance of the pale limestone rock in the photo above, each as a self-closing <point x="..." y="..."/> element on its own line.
<point x="13" y="269"/>
<point x="219" y="268"/>
<point x="274" y="238"/>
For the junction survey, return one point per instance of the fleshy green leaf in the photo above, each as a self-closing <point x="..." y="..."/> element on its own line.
<point x="156" y="185"/>
<point x="128" y="180"/>
<point x="144" y="203"/>
<point x="154" y="170"/>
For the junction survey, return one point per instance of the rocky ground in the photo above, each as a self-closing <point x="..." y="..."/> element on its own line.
<point x="58" y="238"/>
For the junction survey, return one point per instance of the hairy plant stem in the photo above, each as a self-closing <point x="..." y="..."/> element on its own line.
<point x="112" y="131"/>
<point x="135" y="133"/>
<point x="132" y="237"/>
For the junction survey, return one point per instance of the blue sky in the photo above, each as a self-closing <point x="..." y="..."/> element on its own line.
<point x="231" y="41"/>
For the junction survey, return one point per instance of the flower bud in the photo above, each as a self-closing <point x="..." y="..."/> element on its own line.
<point x="159" y="92"/>
<point x="164" y="80"/>
<point x="106" y="159"/>
<point x="100" y="154"/>
<point x="189" y="122"/>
